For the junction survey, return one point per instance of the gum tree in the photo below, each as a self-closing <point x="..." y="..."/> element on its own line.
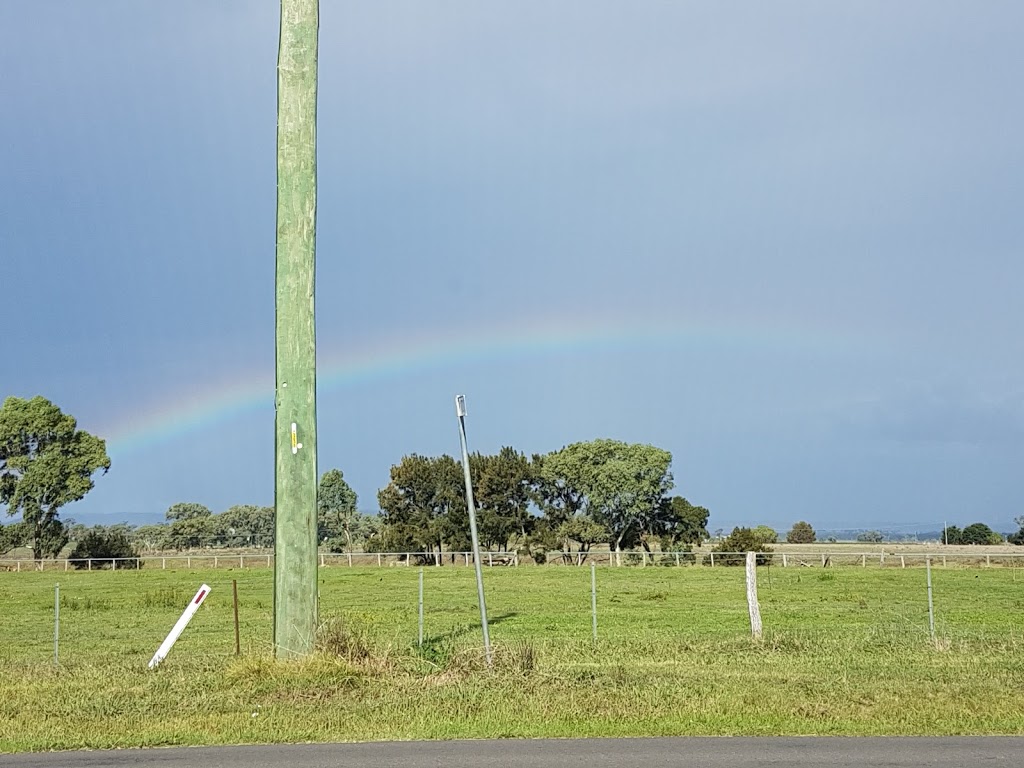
<point x="46" y="462"/>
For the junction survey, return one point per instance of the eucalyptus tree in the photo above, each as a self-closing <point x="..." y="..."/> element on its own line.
<point x="46" y="462"/>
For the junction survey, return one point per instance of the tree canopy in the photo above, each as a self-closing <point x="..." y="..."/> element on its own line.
<point x="623" y="485"/>
<point x="684" y="523"/>
<point x="801" y="533"/>
<point x="583" y="494"/>
<point x="46" y="462"/>
<point x="423" y="507"/>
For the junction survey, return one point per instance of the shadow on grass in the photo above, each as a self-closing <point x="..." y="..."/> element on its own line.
<point x="457" y="632"/>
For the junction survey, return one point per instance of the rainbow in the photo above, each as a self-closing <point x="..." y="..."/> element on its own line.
<point x="253" y="390"/>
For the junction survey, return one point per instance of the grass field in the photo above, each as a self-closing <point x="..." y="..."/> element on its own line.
<point x="846" y="651"/>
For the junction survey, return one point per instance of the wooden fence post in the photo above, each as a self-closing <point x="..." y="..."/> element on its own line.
<point x="755" y="609"/>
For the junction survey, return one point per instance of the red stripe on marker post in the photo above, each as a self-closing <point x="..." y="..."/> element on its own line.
<point x="200" y="596"/>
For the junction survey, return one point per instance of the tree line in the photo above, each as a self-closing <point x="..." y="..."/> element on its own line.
<point x="600" y="492"/>
<point x="189" y="526"/>
<point x="587" y="493"/>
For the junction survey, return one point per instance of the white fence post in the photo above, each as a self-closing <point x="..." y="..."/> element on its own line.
<point x="421" y="607"/>
<point x="593" y="597"/>
<point x="931" y="609"/>
<point x="755" y="609"/>
<point x="56" y="624"/>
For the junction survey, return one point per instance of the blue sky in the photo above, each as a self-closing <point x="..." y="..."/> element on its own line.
<point x="780" y="240"/>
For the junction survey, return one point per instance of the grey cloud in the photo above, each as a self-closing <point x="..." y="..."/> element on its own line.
<point x="926" y="415"/>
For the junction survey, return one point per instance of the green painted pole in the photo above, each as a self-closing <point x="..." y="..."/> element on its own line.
<point x="295" y="475"/>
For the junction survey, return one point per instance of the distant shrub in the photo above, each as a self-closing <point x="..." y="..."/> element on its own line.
<point x="685" y="555"/>
<point x="103" y="548"/>
<point x="733" y="548"/>
<point x="872" y="537"/>
<point x="801" y="533"/>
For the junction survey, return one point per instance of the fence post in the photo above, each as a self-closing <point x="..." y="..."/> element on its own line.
<point x="65" y="566"/>
<point x="863" y="561"/>
<point x="188" y="561"/>
<point x="988" y="560"/>
<point x="241" y="561"/>
<point x="755" y="609"/>
<point x="784" y="563"/>
<point x="56" y="624"/>
<point x="421" y="607"/>
<point x="593" y="597"/>
<point x="677" y="559"/>
<point x="931" y="609"/>
<point x="903" y="562"/>
<point x="90" y="564"/>
<point x="215" y="561"/>
<point x="378" y="559"/>
<point x="234" y="593"/>
<point x="823" y="561"/>
<point x="712" y="559"/>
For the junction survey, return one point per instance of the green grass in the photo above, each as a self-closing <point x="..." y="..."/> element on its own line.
<point x="846" y="651"/>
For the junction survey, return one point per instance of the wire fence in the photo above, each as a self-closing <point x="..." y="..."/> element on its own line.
<point x="243" y="560"/>
<point x="109" y="617"/>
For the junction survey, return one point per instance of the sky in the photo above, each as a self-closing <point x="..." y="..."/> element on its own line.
<point x="781" y="240"/>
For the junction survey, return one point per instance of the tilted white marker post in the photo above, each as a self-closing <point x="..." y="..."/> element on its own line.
<point x="178" y="628"/>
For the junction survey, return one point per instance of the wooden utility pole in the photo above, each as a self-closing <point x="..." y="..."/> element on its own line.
<point x="295" y="471"/>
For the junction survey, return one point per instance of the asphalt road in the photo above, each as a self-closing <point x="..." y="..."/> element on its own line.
<point x="563" y="753"/>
